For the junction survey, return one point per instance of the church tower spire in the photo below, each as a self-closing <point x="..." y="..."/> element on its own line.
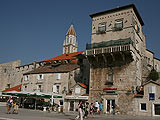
<point x="70" y="44"/>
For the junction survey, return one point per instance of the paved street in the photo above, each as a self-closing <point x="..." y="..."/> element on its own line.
<point x="27" y="114"/>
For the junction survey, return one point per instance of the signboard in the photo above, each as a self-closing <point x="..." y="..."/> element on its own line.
<point x="77" y="97"/>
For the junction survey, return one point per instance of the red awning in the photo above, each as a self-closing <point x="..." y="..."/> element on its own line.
<point x="16" y="88"/>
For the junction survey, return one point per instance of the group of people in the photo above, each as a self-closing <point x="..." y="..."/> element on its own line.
<point x="85" y="109"/>
<point x="12" y="105"/>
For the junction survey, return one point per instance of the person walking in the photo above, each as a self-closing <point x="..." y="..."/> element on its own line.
<point x="100" y="108"/>
<point x="91" y="110"/>
<point x="9" y="105"/>
<point x="96" y="105"/>
<point x="80" y="111"/>
<point x="15" y="106"/>
<point x="86" y="110"/>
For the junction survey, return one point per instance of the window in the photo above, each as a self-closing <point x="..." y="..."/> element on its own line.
<point x="110" y="77"/>
<point x="58" y="76"/>
<point x="8" y="85"/>
<point x="136" y="26"/>
<point x="143" y="107"/>
<point x="5" y="70"/>
<point x="56" y="88"/>
<point x="118" y="25"/>
<point x="151" y="91"/>
<point x="26" y="78"/>
<point x="77" y="90"/>
<point x="39" y="87"/>
<point x="156" y="67"/>
<point x="148" y="60"/>
<point x="151" y="96"/>
<point x="40" y="76"/>
<point x="102" y="28"/>
<point x="25" y="88"/>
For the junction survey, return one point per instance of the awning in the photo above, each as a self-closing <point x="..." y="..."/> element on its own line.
<point x="32" y="94"/>
<point x="76" y="97"/>
<point x="15" y="88"/>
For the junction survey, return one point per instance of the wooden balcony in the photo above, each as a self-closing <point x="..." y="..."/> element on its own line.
<point x="120" y="48"/>
<point x="110" y="56"/>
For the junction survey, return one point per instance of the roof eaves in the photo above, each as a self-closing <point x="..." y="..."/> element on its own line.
<point x="120" y="8"/>
<point x="151" y="81"/>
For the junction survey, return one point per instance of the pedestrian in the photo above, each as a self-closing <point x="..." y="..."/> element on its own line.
<point x="86" y="110"/>
<point x="91" y="110"/>
<point x="9" y="105"/>
<point x="15" y="106"/>
<point x="96" y="105"/>
<point x="80" y="111"/>
<point x="108" y="108"/>
<point x="100" y="108"/>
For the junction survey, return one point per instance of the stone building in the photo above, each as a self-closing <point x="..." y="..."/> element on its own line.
<point x="71" y="100"/>
<point x="8" y="75"/>
<point x="52" y="78"/>
<point x="61" y="73"/>
<point x="118" y="57"/>
<point x="148" y="103"/>
<point x="12" y="73"/>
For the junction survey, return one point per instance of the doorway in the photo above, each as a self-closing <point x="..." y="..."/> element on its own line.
<point x="71" y="106"/>
<point x="157" y="109"/>
<point x="110" y="106"/>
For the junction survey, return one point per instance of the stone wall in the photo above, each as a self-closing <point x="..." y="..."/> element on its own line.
<point x="8" y="75"/>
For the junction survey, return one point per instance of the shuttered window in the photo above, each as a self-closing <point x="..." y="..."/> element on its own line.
<point x="26" y="77"/>
<point x="40" y="77"/>
<point x="58" y="76"/>
<point x="54" y="89"/>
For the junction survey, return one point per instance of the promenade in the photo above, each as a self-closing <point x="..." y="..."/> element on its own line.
<point x="28" y="114"/>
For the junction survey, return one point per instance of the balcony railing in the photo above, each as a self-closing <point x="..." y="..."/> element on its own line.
<point x="109" y="43"/>
<point x="108" y="49"/>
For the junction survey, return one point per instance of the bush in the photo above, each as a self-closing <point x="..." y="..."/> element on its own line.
<point x="153" y="75"/>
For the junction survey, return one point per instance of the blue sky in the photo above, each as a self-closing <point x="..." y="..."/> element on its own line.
<point x="34" y="30"/>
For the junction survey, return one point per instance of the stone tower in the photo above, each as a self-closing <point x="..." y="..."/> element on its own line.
<point x="70" y="43"/>
<point x="115" y="54"/>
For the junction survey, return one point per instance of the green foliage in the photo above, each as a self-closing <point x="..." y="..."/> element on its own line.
<point x="153" y="75"/>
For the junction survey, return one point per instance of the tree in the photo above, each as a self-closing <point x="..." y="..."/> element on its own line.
<point x="153" y="75"/>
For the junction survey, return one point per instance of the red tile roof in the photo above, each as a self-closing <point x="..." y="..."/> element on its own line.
<point x="16" y="88"/>
<point x="54" y="69"/>
<point x="65" y="56"/>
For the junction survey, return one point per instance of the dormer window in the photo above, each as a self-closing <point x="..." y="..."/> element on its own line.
<point x="102" y="28"/>
<point x="118" y="24"/>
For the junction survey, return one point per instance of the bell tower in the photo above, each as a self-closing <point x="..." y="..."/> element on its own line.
<point x="70" y="44"/>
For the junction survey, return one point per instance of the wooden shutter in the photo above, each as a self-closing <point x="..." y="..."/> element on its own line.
<point x="54" y="89"/>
